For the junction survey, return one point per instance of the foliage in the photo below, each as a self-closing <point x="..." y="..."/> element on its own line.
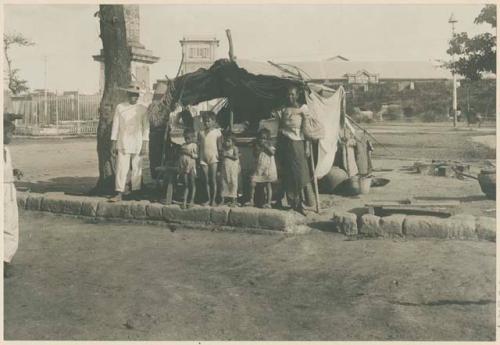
<point x="477" y="96"/>
<point x="16" y="84"/>
<point x="475" y="55"/>
<point x="426" y="97"/>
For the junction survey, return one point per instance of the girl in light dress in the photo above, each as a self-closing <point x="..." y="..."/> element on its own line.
<point x="265" y="170"/>
<point x="230" y="171"/>
<point x="187" y="166"/>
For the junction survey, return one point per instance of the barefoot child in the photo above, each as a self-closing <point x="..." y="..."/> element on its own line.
<point x="230" y="171"/>
<point x="187" y="166"/>
<point x="210" y="140"/>
<point x="265" y="171"/>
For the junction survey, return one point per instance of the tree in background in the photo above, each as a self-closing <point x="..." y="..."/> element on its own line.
<point x="475" y="55"/>
<point x="16" y="85"/>
<point x="117" y="65"/>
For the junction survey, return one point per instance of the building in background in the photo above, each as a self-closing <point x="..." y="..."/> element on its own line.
<point x="198" y="51"/>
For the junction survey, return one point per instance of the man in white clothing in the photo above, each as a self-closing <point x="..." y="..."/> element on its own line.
<point x="10" y="213"/>
<point x="129" y="141"/>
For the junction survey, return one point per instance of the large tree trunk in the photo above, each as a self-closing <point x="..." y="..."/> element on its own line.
<point x="117" y="64"/>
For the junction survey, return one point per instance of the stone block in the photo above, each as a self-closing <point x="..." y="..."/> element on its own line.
<point x="113" y="210"/>
<point x="337" y="218"/>
<point x="424" y="226"/>
<point x="345" y="222"/>
<point x="219" y="215"/>
<point x="22" y="197"/>
<point x="461" y="227"/>
<point x="154" y="211"/>
<point x="138" y="209"/>
<point x="277" y="220"/>
<point x="370" y="225"/>
<point x="172" y="213"/>
<point x="486" y="228"/>
<point x="392" y="225"/>
<point x="61" y="203"/>
<point x="350" y="224"/>
<point x="196" y="214"/>
<point x="34" y="202"/>
<point x="89" y="207"/>
<point x="244" y="217"/>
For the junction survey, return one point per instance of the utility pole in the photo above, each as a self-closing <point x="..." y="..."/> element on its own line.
<point x="45" y="88"/>
<point x="452" y="21"/>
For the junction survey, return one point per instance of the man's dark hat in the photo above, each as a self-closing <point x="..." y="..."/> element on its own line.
<point x="132" y="88"/>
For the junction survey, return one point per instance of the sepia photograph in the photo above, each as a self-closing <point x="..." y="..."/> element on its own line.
<point x="249" y="172"/>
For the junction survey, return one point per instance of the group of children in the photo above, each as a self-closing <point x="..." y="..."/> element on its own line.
<point x="217" y="155"/>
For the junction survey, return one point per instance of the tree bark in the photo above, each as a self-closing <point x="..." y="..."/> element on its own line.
<point x="117" y="65"/>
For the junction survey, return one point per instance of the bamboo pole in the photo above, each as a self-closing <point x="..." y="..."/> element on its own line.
<point x="315" y="180"/>
<point x="230" y="39"/>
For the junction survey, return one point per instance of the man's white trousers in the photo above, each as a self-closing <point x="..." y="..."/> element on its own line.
<point x="125" y="161"/>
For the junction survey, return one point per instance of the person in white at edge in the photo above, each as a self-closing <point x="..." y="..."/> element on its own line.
<point x="10" y="213"/>
<point x="129" y="141"/>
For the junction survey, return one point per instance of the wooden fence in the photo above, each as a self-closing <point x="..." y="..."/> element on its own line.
<point x="57" y="114"/>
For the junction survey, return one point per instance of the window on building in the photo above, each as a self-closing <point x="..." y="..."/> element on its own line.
<point x="203" y="53"/>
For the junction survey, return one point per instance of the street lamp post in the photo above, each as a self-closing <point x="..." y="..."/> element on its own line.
<point x="452" y="21"/>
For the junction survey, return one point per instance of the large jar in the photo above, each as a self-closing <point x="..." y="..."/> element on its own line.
<point x="331" y="180"/>
<point x="487" y="181"/>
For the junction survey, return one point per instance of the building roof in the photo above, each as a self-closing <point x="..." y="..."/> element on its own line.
<point x="199" y="38"/>
<point x="338" y="69"/>
<point x="337" y="57"/>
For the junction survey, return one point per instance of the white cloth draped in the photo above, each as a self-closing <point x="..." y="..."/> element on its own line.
<point x="327" y="111"/>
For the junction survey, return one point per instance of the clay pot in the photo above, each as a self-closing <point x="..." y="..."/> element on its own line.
<point x="332" y="180"/>
<point x="487" y="181"/>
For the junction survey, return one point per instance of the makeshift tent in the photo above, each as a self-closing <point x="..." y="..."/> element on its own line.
<point x="253" y="90"/>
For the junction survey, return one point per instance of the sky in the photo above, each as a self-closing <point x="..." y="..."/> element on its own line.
<point x="67" y="35"/>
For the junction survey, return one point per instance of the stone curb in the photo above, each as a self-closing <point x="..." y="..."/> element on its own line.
<point x="460" y="227"/>
<point x="100" y="208"/>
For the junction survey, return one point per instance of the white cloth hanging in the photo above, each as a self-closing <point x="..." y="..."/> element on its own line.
<point x="327" y="111"/>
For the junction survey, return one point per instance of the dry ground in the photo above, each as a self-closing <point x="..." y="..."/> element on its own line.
<point x="75" y="280"/>
<point x="78" y="280"/>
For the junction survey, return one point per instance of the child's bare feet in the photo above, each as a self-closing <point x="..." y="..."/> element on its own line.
<point x="249" y="203"/>
<point x="266" y="206"/>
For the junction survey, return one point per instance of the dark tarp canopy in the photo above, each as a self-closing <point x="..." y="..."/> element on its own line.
<point x="252" y="94"/>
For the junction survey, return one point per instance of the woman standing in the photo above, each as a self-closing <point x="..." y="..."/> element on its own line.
<point x="292" y="150"/>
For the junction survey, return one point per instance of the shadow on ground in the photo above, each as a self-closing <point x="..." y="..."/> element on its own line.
<point x="67" y="184"/>
<point x="468" y="198"/>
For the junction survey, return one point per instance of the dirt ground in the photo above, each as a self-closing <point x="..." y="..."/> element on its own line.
<point x="78" y="280"/>
<point x="75" y="280"/>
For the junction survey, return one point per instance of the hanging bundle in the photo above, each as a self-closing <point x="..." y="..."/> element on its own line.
<point x="312" y="128"/>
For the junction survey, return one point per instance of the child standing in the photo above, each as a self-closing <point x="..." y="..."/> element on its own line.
<point x="265" y="170"/>
<point x="210" y="140"/>
<point x="187" y="166"/>
<point x="230" y="171"/>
